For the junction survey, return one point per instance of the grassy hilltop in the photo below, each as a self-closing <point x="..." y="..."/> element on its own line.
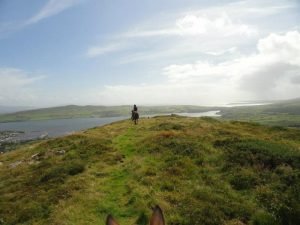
<point x="199" y="170"/>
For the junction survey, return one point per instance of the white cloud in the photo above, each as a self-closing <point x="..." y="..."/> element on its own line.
<point x="222" y="52"/>
<point x="192" y="24"/>
<point x="95" y="51"/>
<point x="16" y="87"/>
<point x="260" y="8"/>
<point x="197" y="25"/>
<point x="227" y="19"/>
<point x="52" y="8"/>
<point x="190" y="33"/>
<point x="282" y="47"/>
<point x="277" y="62"/>
<point x="212" y="30"/>
<point x="271" y="73"/>
<point x="160" y="94"/>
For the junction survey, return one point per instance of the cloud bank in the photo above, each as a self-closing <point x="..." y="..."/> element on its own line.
<point x="273" y="72"/>
<point x="17" y="86"/>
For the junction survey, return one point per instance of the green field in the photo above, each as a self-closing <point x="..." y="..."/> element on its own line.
<point x="199" y="170"/>
<point x="284" y="113"/>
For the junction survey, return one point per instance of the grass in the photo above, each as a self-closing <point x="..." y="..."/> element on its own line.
<point x="199" y="170"/>
<point x="283" y="113"/>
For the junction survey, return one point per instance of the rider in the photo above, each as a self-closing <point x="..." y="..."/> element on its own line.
<point x="134" y="114"/>
<point x="135" y="109"/>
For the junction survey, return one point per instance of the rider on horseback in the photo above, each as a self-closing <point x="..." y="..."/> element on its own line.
<point x="134" y="114"/>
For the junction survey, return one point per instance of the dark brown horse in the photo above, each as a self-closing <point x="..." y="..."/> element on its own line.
<point x="157" y="218"/>
<point x="135" y="116"/>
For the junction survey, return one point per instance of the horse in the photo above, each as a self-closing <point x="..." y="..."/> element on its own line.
<point x="135" y="116"/>
<point x="157" y="218"/>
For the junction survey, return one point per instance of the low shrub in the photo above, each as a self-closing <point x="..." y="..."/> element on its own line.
<point x="263" y="218"/>
<point x="168" y="126"/>
<point x="75" y="168"/>
<point x="56" y="173"/>
<point x="59" y="172"/>
<point x="33" y="210"/>
<point x="250" y="152"/>
<point x="211" y="207"/>
<point x="243" y="179"/>
<point x="142" y="219"/>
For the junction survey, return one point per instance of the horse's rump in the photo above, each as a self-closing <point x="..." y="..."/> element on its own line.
<point x="135" y="115"/>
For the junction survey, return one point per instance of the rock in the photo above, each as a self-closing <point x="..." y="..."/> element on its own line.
<point x="31" y="162"/>
<point x="43" y="136"/>
<point x="15" y="164"/>
<point x="36" y="156"/>
<point x="61" y="152"/>
<point x="1" y="221"/>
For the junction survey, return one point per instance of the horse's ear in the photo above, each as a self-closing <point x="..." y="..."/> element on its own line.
<point x="110" y="220"/>
<point x="157" y="216"/>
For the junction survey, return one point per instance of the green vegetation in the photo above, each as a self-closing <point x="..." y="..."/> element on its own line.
<point x="74" y="111"/>
<point x="285" y="113"/>
<point x="199" y="170"/>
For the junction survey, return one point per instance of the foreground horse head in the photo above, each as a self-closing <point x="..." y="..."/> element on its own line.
<point x="157" y="218"/>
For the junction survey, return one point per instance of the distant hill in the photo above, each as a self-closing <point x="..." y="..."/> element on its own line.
<point x="74" y="111"/>
<point x="280" y="113"/>
<point x="11" y="109"/>
<point x="201" y="171"/>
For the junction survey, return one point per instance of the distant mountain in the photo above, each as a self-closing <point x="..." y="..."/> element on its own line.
<point x="12" y="109"/>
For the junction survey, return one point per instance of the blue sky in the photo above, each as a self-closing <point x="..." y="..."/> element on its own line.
<point x="57" y="52"/>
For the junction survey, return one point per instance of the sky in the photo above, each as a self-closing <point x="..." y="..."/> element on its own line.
<point x="150" y="52"/>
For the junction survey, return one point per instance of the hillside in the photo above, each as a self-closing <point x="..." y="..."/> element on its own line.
<point x="75" y="111"/>
<point x="199" y="170"/>
<point x="282" y="113"/>
<point x="11" y="109"/>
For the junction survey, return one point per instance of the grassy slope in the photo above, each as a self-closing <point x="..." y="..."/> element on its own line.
<point x="285" y="113"/>
<point x="73" y="111"/>
<point x="199" y="170"/>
